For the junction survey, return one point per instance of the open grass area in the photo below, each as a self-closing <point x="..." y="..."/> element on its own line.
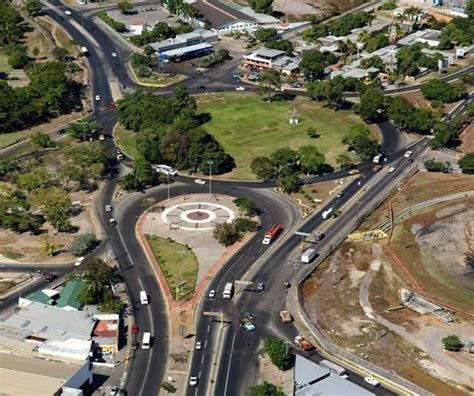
<point x="178" y="264"/>
<point x="126" y="141"/>
<point x="248" y="127"/>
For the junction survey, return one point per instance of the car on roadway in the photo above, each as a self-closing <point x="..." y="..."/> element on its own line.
<point x="249" y="316"/>
<point x="114" y="55"/>
<point x="345" y="376"/>
<point x="260" y="286"/>
<point x="371" y="381"/>
<point x="79" y="261"/>
<point x="113" y="222"/>
<point x="68" y="13"/>
<point x="108" y="208"/>
<point x="408" y="154"/>
<point x="119" y="157"/>
<point x="249" y="326"/>
<point x="198" y="345"/>
<point x="49" y="277"/>
<point x="339" y="194"/>
<point x="286" y="285"/>
<point x="200" y="181"/>
<point x="212" y="293"/>
<point x="101" y="138"/>
<point x="193" y="381"/>
<point x="319" y="236"/>
<point x="391" y="169"/>
<point x="240" y="89"/>
<point x="97" y="98"/>
<point x="354" y="172"/>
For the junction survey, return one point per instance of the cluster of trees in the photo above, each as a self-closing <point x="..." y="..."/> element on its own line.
<point x="339" y="27"/>
<point x="169" y="132"/>
<point x="436" y="166"/>
<point x="277" y="351"/>
<point x="373" y="61"/>
<point x="161" y="31"/>
<point x="50" y="93"/>
<point x="181" y="8"/>
<point x="265" y="389"/>
<point x="466" y="163"/>
<point x="82" y="244"/>
<point x="10" y="31"/>
<point x="284" y="165"/>
<point x="98" y="276"/>
<point x="263" y="6"/>
<point x="411" y="58"/>
<point x="440" y="90"/>
<point x="460" y="31"/>
<point x="358" y="139"/>
<point x="266" y="34"/>
<point x="141" y="63"/>
<point x="215" y="58"/>
<point x="376" y="41"/>
<point x="17" y="56"/>
<point x="313" y="63"/>
<point x="282" y="45"/>
<point x="452" y="343"/>
<point x="116" y="25"/>
<point x="332" y="90"/>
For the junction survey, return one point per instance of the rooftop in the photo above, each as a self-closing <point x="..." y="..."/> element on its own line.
<point x="186" y="50"/>
<point x="219" y="14"/>
<point x="70" y="293"/>
<point x="333" y="385"/>
<point x="138" y="22"/>
<point x="307" y="372"/>
<point x="420" y="36"/>
<point x="266" y="53"/>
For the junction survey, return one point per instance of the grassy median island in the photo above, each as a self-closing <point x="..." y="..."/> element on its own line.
<point x="175" y="259"/>
<point x="248" y="127"/>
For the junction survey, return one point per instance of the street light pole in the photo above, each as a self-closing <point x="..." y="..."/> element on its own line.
<point x="210" y="162"/>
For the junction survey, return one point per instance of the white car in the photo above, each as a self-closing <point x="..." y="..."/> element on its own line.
<point x="200" y="181"/>
<point x="114" y="54"/>
<point x="198" y="345"/>
<point x="68" y="13"/>
<point x="344" y="376"/>
<point x="193" y="381"/>
<point x="391" y="169"/>
<point x="212" y="293"/>
<point x="97" y="98"/>
<point x="240" y="89"/>
<point x="372" y="381"/>
<point x="249" y="326"/>
<point x="108" y="208"/>
<point x="79" y="261"/>
<point x="113" y="222"/>
<point x="408" y="154"/>
<point x="119" y="157"/>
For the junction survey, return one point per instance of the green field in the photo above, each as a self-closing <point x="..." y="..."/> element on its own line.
<point x="248" y="127"/>
<point x="126" y="141"/>
<point x="176" y="267"/>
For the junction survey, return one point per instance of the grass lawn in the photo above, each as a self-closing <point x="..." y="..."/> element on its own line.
<point x="248" y="127"/>
<point x="167" y="254"/>
<point x="4" y="66"/>
<point x="126" y="141"/>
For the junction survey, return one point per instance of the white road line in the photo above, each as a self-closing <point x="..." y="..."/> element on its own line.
<point x="150" y="356"/>
<point x="230" y="361"/>
<point x="202" y="359"/>
<point x="208" y="329"/>
<point x="205" y="343"/>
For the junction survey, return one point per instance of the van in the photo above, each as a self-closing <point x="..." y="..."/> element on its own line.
<point x="143" y="297"/>
<point x="308" y="255"/>
<point x="146" y="341"/>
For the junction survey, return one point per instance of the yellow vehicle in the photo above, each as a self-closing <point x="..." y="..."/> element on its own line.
<point x="101" y="137"/>
<point x="354" y="172"/>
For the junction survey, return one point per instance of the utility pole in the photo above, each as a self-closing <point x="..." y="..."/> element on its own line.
<point x="210" y="162"/>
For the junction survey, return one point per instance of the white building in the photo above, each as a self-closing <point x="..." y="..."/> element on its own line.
<point x="426" y="36"/>
<point x="138" y="26"/>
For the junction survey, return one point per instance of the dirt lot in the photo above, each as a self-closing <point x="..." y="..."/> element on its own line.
<point x="467" y="138"/>
<point x="302" y="8"/>
<point x="359" y="286"/>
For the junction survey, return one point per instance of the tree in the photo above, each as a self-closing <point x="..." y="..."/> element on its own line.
<point x="365" y="146"/>
<point x="34" y="180"/>
<point x="265" y="389"/>
<point x="377" y="41"/>
<point x="263" y="168"/>
<point x="400" y="111"/>
<point x="41" y="140"/>
<point x="60" y="54"/>
<point x="288" y="183"/>
<point x="244" y="225"/>
<point x="48" y="247"/>
<point x="226" y="234"/>
<point x="277" y="351"/>
<point x="373" y="61"/>
<point x="371" y="104"/>
<point x="263" y="6"/>
<point x="281" y="45"/>
<point x="32" y="7"/>
<point x="56" y="204"/>
<point x="469" y="9"/>
<point x="437" y="89"/>
<point x="466" y="163"/>
<point x="245" y="205"/>
<point x="15" y="215"/>
<point x="269" y="80"/>
<point x="435" y="166"/>
<point x="168" y="387"/>
<point x="82" y="244"/>
<point x="314" y="62"/>
<point x="125" y="7"/>
<point x="110" y="303"/>
<point x="148" y="144"/>
<point x="452" y="343"/>
<point x="343" y="160"/>
<point x="311" y="159"/>
<point x="312" y="133"/>
<point x="285" y="159"/>
<point x="17" y="56"/>
<point x="95" y="271"/>
<point x="265" y="34"/>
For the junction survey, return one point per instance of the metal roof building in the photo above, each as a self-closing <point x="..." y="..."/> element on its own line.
<point x="69" y="295"/>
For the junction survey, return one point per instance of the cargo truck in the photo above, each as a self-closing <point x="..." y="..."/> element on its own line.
<point x="308" y="255"/>
<point x="271" y="234"/>
<point x="303" y="343"/>
<point x="228" y="290"/>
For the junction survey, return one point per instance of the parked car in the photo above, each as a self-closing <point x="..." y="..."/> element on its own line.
<point x="249" y="326"/>
<point x="372" y="381"/>
<point x="200" y="181"/>
<point x="212" y="293"/>
<point x="79" y="261"/>
<point x="339" y="194"/>
<point x="319" y="236"/>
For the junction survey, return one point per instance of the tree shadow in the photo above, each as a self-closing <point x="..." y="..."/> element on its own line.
<point x="203" y="118"/>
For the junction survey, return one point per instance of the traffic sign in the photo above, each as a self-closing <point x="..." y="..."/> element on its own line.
<point x="306" y="234"/>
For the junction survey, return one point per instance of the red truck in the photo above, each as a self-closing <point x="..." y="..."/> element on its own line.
<point x="303" y="343"/>
<point x="271" y="234"/>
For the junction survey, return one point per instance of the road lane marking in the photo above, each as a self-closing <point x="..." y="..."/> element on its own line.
<point x="202" y="359"/>
<point x="230" y="361"/>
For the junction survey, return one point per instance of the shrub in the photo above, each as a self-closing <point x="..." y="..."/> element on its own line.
<point x="245" y="225"/>
<point x="116" y="25"/>
<point x="82" y="244"/>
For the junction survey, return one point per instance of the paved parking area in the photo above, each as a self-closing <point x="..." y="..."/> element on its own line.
<point x="150" y="14"/>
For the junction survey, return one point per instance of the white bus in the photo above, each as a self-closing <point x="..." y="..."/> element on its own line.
<point x="167" y="170"/>
<point x="146" y="341"/>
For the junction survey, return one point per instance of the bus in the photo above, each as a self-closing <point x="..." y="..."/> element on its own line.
<point x="146" y="341"/>
<point x="271" y="234"/>
<point x="167" y="170"/>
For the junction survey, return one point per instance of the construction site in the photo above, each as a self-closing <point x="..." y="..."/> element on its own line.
<point x="403" y="281"/>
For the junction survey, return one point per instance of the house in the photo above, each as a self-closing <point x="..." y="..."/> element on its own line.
<point x="69" y="298"/>
<point x="138" y="26"/>
<point x="426" y="36"/>
<point x="26" y="375"/>
<point x="286" y="65"/>
<point x="106" y="332"/>
<point x="223" y="19"/>
<point x="45" y="296"/>
<point x="262" y="58"/>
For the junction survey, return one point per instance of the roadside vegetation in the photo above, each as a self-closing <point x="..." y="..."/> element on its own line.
<point x="142" y="68"/>
<point x="178" y="264"/>
<point x="116" y="25"/>
<point x="265" y="389"/>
